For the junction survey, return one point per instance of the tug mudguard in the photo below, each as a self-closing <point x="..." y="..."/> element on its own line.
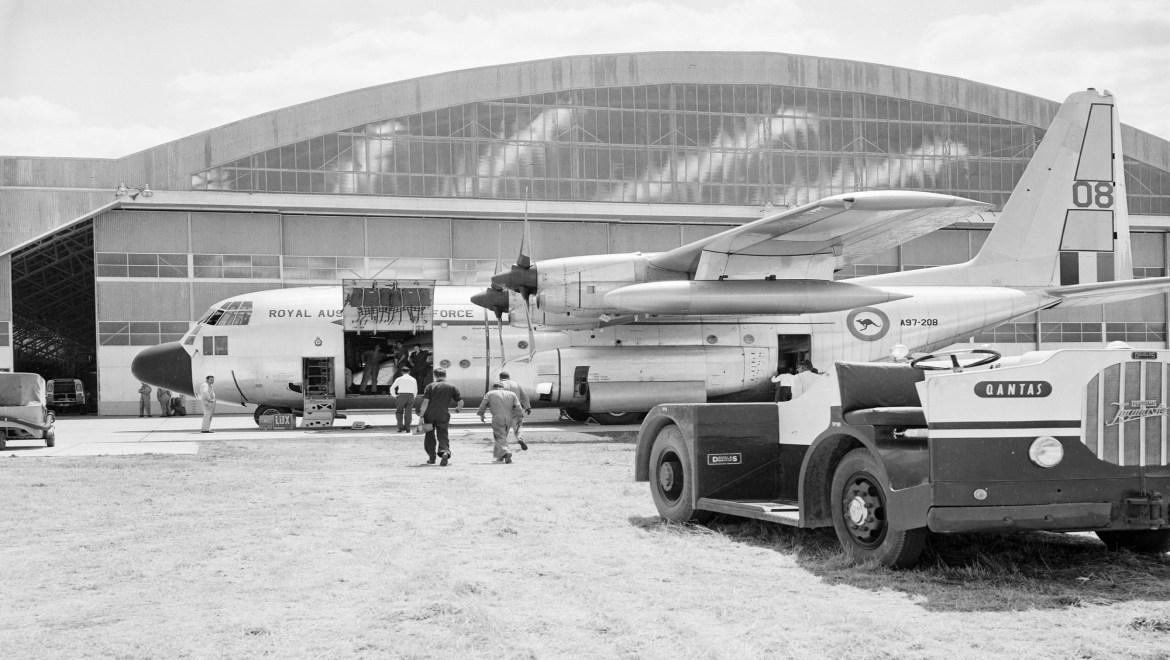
<point x="877" y="401"/>
<point x="733" y="447"/>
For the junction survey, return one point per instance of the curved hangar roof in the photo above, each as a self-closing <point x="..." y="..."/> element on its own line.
<point x="669" y="127"/>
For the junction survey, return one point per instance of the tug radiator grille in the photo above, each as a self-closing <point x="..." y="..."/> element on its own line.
<point x="1125" y="413"/>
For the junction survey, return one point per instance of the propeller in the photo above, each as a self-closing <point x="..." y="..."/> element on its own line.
<point x="521" y="278"/>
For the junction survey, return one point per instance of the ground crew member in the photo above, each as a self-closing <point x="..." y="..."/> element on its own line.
<point x="806" y="376"/>
<point x="144" y="400"/>
<point x="207" y="398"/>
<point x="783" y="381"/>
<point x="515" y="388"/>
<point x="164" y="402"/>
<point x="373" y="359"/>
<point x="404" y="389"/>
<point x="505" y="407"/>
<point x="437" y="398"/>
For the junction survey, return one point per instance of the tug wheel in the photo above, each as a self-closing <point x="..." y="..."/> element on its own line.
<point x="672" y="483"/>
<point x="861" y="515"/>
<point x="1149" y="541"/>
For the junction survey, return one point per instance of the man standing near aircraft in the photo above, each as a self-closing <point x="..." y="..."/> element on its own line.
<point x="207" y="398"/>
<point x="437" y="398"/>
<point x="164" y="402"/>
<point x="806" y="376"/>
<point x="372" y="359"/>
<point x="144" y="400"/>
<point x="404" y="389"/>
<point x="515" y="388"/>
<point x="505" y="407"/>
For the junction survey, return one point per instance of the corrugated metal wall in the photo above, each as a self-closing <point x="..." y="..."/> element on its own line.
<point x="235" y="233"/>
<point x="206" y="294"/>
<point x="144" y="301"/>
<point x="323" y="235"/>
<point x="141" y="232"/>
<point x="408" y="237"/>
<point x="644" y="238"/>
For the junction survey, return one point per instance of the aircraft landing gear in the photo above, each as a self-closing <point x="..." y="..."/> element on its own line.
<point x="268" y="410"/>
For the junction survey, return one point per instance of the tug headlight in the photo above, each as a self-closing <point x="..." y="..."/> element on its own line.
<point x="1046" y="451"/>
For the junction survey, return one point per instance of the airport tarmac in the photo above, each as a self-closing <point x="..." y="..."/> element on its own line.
<point x="84" y="435"/>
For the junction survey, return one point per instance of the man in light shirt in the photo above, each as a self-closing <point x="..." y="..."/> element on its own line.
<point x="207" y="398"/>
<point x="404" y="389"/>
<point x="783" y="381"/>
<point x="806" y="377"/>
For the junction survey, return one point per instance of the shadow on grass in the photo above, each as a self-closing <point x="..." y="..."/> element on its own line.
<point x="968" y="572"/>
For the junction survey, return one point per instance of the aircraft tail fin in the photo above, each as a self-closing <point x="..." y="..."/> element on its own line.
<point x="1066" y="222"/>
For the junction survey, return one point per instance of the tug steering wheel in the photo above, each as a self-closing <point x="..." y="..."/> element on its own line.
<point x="955" y="366"/>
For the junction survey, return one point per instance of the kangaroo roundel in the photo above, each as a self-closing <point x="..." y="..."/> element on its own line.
<point x="868" y="323"/>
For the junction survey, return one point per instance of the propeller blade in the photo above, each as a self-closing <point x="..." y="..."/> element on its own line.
<point x="487" y="369"/>
<point x="531" y="335"/>
<point x="500" y="332"/>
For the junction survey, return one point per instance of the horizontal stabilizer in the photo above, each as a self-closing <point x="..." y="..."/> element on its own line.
<point x="1099" y="293"/>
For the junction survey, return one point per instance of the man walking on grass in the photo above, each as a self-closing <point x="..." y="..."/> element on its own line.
<point x="515" y="388"/>
<point x="404" y="389"/>
<point x="437" y="398"/>
<point x="505" y="407"/>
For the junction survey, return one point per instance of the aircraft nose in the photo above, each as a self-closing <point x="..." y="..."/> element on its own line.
<point x="166" y="365"/>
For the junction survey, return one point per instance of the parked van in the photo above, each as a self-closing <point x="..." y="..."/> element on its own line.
<point x="66" y="394"/>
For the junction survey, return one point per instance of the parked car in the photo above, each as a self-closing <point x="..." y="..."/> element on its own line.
<point x="23" y="413"/>
<point x="67" y="394"/>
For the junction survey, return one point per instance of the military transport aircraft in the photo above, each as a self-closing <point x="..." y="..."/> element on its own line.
<point x="711" y="320"/>
<point x="708" y="321"/>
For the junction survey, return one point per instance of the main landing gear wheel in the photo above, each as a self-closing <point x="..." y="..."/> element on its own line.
<point x="615" y="418"/>
<point x="576" y="414"/>
<point x="861" y="515"/>
<point x="671" y="483"/>
<point x="922" y="362"/>
<point x="1148" y="541"/>
<point x="268" y="410"/>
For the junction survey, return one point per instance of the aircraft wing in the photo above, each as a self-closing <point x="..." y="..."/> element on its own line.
<point x="1099" y="293"/>
<point x="838" y="230"/>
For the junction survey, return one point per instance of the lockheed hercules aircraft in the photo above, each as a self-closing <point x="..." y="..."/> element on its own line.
<point x="708" y="321"/>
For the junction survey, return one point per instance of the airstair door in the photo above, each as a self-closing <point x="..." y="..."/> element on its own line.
<point x="319" y="392"/>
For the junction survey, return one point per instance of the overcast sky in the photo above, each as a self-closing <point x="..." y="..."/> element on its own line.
<point x="84" y="78"/>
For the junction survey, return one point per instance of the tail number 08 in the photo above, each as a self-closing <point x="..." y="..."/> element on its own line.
<point x="1092" y="193"/>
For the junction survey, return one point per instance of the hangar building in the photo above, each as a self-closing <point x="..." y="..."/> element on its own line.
<point x="426" y="178"/>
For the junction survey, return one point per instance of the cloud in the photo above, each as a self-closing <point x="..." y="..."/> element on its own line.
<point x="403" y="47"/>
<point x="1055" y="47"/>
<point x="33" y="125"/>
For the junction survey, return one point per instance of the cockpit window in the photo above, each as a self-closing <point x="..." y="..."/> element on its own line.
<point x="236" y="312"/>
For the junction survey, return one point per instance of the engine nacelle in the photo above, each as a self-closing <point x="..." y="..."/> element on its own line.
<point x="637" y="378"/>
<point x="576" y="286"/>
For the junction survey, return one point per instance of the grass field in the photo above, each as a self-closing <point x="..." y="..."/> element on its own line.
<point x="354" y="548"/>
